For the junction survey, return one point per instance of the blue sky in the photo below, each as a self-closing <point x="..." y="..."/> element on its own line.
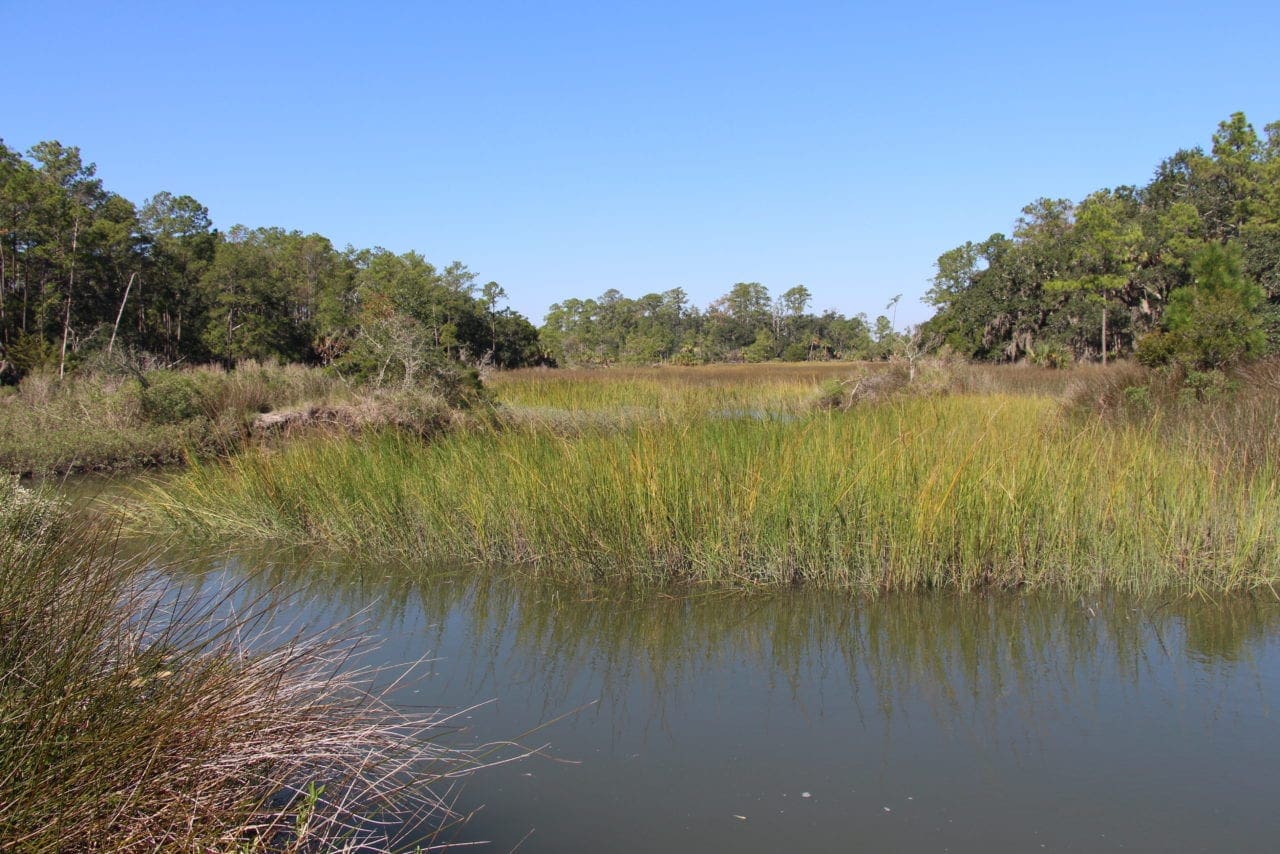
<point x="566" y="148"/>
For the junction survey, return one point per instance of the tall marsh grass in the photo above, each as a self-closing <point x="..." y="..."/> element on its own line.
<point x="135" y="719"/>
<point x="966" y="491"/>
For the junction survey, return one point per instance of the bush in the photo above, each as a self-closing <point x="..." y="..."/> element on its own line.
<point x="29" y="353"/>
<point x="1156" y="349"/>
<point x="795" y="353"/>
<point x="1053" y="356"/>
<point x="170" y="397"/>
<point x="27" y="517"/>
<point x="1206" y="385"/>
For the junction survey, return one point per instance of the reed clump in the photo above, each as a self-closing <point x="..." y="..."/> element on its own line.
<point x="1236" y="412"/>
<point x="136" y="718"/>
<point x="959" y="490"/>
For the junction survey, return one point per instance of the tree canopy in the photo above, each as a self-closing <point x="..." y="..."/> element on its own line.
<point x="1195" y="254"/>
<point x="83" y="269"/>
<point x="745" y="324"/>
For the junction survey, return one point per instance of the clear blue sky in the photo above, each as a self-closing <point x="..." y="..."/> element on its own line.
<point x="566" y="148"/>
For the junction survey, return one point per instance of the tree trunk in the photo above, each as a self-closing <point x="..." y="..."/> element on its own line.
<point x="4" y="291"/>
<point x="119" y="314"/>
<point x="1104" y="329"/>
<point x="71" y="284"/>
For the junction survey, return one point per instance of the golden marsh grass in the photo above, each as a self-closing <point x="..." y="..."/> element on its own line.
<point x="737" y="482"/>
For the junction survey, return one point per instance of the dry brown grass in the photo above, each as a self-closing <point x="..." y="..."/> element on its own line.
<point x="138" y="717"/>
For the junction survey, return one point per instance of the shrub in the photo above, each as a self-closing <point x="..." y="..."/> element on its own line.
<point x="170" y="397"/>
<point x="28" y="518"/>
<point x="29" y="353"/>
<point x="795" y="353"/>
<point x="917" y="378"/>
<point x="1053" y="356"/>
<point x="1156" y="348"/>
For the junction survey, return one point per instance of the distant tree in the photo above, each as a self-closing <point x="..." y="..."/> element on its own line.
<point x="272" y="294"/>
<point x="789" y="312"/>
<point x="1092" y="279"/>
<point x="1214" y="322"/>
<point x="884" y="337"/>
<point x="178" y="245"/>
<point x="734" y="320"/>
<point x="72" y="194"/>
<point x="1104" y="253"/>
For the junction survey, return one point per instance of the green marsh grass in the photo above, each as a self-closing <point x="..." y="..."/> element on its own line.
<point x="964" y="491"/>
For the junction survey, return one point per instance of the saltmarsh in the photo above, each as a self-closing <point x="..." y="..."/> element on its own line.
<point x="969" y="490"/>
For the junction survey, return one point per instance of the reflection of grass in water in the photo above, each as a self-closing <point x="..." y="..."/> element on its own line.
<point x="962" y="492"/>
<point x="137" y="718"/>
<point x="1001" y="663"/>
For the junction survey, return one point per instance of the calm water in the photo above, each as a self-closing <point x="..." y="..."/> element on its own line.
<point x="808" y="722"/>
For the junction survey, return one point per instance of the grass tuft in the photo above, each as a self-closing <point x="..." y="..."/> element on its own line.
<point x="134" y="717"/>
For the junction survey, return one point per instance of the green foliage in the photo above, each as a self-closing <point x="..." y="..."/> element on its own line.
<point x="1215" y="322"/>
<point x="85" y="269"/>
<point x="170" y="397"/>
<point x="29" y="353"/>
<point x="795" y="352"/>
<point x="1207" y="386"/>
<point x="1138" y="397"/>
<point x="743" y="325"/>
<point x="1156" y="348"/>
<point x="1053" y="356"/>
<point x="1099" y="278"/>
<point x="764" y="348"/>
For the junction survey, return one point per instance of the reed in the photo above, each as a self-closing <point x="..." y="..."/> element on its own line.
<point x="137" y="718"/>
<point x="965" y="491"/>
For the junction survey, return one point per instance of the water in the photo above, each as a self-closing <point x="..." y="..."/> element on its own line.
<point x="802" y="721"/>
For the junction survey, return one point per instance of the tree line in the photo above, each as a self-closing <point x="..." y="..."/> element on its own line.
<point x="744" y="325"/>
<point x="1183" y="269"/>
<point x="85" y="271"/>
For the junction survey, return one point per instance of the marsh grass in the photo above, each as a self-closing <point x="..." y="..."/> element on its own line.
<point x="134" y="717"/>
<point x="122" y="420"/>
<point x="781" y="387"/>
<point x="775" y="388"/>
<point x="960" y="490"/>
<point x="1236" y="412"/>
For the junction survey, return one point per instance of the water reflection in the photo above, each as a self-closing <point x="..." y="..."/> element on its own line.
<point x="920" y="722"/>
